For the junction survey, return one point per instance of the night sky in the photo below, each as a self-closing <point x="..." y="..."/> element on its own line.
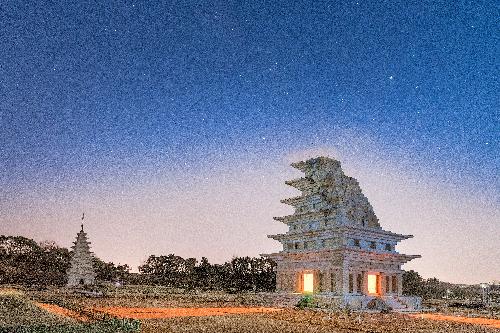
<point x="172" y="124"/>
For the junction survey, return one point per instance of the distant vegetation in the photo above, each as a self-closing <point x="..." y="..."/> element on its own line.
<point x="432" y="288"/>
<point x="26" y="262"/>
<point x="23" y="261"/>
<point x="239" y="274"/>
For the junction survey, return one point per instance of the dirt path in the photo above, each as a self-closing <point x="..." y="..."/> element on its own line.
<point x="495" y="323"/>
<point x="157" y="313"/>
<point x="60" y="311"/>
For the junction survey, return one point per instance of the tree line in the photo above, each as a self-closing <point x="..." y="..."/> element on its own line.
<point x="432" y="288"/>
<point x="238" y="274"/>
<point x="24" y="261"/>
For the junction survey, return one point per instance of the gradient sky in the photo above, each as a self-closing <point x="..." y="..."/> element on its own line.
<point x="172" y="124"/>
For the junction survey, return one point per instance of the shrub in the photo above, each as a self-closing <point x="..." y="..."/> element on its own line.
<point x="306" y="302"/>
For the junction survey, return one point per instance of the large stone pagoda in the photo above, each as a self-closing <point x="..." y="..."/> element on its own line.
<point x="335" y="246"/>
<point x="81" y="271"/>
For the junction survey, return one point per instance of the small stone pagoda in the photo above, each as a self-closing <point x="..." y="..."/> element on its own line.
<point x="81" y="271"/>
<point x="335" y="246"/>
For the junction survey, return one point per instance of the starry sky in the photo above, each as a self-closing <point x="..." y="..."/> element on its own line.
<point x="172" y="123"/>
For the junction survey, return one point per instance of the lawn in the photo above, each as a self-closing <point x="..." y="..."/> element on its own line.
<point x="19" y="312"/>
<point x="16" y="310"/>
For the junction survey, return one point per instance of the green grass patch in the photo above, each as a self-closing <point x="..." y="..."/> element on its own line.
<point x="16" y="309"/>
<point x="108" y="326"/>
<point x="18" y="314"/>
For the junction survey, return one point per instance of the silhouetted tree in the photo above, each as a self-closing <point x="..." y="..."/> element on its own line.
<point x="170" y="270"/>
<point x="108" y="271"/>
<point x="55" y="263"/>
<point x="204" y="275"/>
<point x="433" y="288"/>
<point x="23" y="261"/>
<point x="413" y="284"/>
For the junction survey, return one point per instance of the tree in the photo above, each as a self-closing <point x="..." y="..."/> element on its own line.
<point x="412" y="283"/>
<point x="433" y="288"/>
<point x="55" y="262"/>
<point x="108" y="271"/>
<point x="23" y="261"/>
<point x="170" y="270"/>
<point x="204" y="275"/>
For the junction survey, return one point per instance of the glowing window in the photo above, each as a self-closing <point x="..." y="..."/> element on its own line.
<point x="372" y="284"/>
<point x="308" y="282"/>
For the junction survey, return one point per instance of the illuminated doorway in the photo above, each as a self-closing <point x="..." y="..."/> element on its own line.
<point x="308" y="282"/>
<point x="373" y="284"/>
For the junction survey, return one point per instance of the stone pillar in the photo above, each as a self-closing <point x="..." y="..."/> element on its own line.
<point x="327" y="281"/>
<point x="291" y="281"/>
<point x="383" y="287"/>
<point x="316" y="281"/>
<point x="299" y="281"/>
<point x="400" y="284"/>
<point x="334" y="281"/>
<point x="344" y="281"/>
<point x="365" y="283"/>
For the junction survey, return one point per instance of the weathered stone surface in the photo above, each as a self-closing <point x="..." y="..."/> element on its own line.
<point x="81" y="271"/>
<point x="341" y="194"/>
<point x="335" y="235"/>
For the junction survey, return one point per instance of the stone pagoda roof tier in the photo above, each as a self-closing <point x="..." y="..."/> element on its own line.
<point x="305" y="166"/>
<point x="301" y="199"/>
<point x="344" y="231"/>
<point x="301" y="184"/>
<point x="349" y="230"/>
<point x="344" y="253"/>
<point x="355" y="254"/>
<point x="320" y="213"/>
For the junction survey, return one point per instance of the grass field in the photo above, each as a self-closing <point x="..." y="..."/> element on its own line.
<point x="16" y="309"/>
<point x="164" y="310"/>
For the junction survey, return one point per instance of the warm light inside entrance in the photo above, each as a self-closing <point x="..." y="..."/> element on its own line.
<point x="308" y="282"/>
<point x="372" y="284"/>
